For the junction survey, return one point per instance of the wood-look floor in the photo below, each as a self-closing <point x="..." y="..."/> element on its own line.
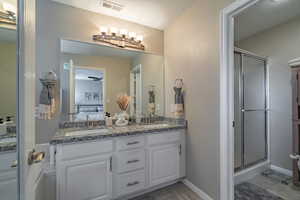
<point x="287" y="192"/>
<point x="177" y="191"/>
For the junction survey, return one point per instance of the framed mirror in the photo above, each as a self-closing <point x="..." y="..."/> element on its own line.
<point x="92" y="77"/>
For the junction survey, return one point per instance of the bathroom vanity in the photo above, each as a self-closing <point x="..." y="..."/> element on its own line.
<point x="95" y="162"/>
<point x="118" y="162"/>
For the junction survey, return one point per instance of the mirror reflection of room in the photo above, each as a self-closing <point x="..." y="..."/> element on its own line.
<point x="8" y="99"/>
<point x="94" y="76"/>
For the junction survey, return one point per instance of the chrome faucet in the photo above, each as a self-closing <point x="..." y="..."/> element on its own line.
<point x="89" y="123"/>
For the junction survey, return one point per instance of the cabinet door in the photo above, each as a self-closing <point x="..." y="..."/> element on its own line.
<point x="164" y="163"/>
<point x="8" y="185"/>
<point x="83" y="179"/>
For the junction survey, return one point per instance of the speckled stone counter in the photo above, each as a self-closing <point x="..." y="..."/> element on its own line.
<point x="8" y="142"/>
<point x="158" y="127"/>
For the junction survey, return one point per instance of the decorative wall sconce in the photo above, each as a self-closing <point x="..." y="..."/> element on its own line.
<point x="120" y="38"/>
<point x="8" y="14"/>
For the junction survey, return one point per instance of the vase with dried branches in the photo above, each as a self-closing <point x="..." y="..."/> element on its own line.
<point x="123" y="101"/>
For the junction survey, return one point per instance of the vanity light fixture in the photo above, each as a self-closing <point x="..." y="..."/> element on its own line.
<point x="120" y="38"/>
<point x="8" y="14"/>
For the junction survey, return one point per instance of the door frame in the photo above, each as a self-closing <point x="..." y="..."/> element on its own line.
<point x="28" y="175"/>
<point x="227" y="95"/>
<point x="140" y="109"/>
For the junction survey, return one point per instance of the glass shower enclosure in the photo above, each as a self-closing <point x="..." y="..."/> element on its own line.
<point x="250" y="88"/>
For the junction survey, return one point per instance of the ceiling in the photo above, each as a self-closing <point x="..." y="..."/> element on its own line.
<point x="265" y="15"/>
<point x="153" y="13"/>
<point x="91" y="49"/>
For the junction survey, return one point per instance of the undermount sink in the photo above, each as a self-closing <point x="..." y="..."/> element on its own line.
<point x="155" y="125"/>
<point x="87" y="132"/>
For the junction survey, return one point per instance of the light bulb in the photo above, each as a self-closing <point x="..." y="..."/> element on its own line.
<point x="139" y="38"/>
<point x="103" y="30"/>
<point x="123" y="32"/>
<point x="132" y="35"/>
<point x="113" y="31"/>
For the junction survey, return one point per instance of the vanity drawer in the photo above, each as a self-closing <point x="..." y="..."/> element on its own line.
<point x="130" y="160"/>
<point x="73" y="151"/>
<point x="168" y="137"/>
<point x="130" y="143"/>
<point x="130" y="182"/>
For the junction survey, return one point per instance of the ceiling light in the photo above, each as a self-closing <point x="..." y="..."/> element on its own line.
<point x="120" y="38"/>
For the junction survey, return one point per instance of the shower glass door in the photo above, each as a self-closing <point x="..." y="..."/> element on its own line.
<point x="250" y="111"/>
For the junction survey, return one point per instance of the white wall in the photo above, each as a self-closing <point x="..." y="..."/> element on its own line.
<point x="8" y="82"/>
<point x="192" y="53"/>
<point x="280" y="44"/>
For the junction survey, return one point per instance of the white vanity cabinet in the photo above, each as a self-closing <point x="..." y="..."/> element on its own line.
<point x="164" y="157"/>
<point x="121" y="166"/>
<point x="84" y="171"/>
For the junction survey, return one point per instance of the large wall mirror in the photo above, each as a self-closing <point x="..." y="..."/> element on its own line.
<point x="8" y="100"/>
<point x="92" y="77"/>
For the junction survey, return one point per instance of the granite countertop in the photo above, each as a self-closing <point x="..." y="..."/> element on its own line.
<point x="8" y="142"/>
<point x="157" y="127"/>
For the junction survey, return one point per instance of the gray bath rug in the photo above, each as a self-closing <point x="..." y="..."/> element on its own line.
<point x="249" y="191"/>
<point x="276" y="176"/>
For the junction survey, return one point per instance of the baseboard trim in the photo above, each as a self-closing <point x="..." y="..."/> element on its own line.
<point x="250" y="172"/>
<point x="197" y="190"/>
<point x="281" y="170"/>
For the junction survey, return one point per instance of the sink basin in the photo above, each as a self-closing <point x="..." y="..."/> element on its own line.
<point x="155" y="125"/>
<point x="87" y="132"/>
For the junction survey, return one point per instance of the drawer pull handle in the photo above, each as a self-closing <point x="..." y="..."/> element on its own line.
<point x="133" y="183"/>
<point x="132" y="143"/>
<point x="132" y="161"/>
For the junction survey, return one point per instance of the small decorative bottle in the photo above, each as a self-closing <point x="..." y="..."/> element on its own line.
<point x="179" y="101"/>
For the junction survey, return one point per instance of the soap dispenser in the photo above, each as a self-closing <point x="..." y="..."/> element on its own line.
<point x="108" y="119"/>
<point x="3" y="128"/>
